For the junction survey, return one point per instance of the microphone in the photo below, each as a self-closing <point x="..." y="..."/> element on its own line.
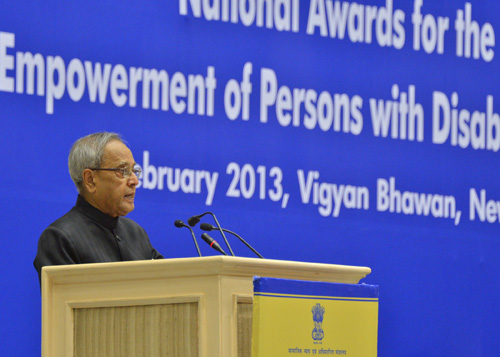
<point x="193" y="221"/>
<point x="213" y="243"/>
<point x="209" y="227"/>
<point x="179" y="224"/>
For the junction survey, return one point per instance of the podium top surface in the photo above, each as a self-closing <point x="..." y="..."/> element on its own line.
<point x="203" y="266"/>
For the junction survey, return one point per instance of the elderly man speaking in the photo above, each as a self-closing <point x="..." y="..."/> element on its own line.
<point x="94" y="230"/>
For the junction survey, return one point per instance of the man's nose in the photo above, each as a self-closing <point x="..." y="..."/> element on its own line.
<point x="133" y="180"/>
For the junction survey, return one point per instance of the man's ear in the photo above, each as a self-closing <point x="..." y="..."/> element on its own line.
<point x="88" y="180"/>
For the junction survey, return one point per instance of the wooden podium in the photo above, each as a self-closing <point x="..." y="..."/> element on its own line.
<point x="172" y="307"/>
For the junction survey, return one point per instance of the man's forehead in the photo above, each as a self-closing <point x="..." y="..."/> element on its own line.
<point x="117" y="153"/>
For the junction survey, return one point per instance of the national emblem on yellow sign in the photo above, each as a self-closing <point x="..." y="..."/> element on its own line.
<point x="311" y="318"/>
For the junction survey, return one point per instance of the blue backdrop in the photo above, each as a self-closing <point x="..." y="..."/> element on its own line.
<point x="359" y="133"/>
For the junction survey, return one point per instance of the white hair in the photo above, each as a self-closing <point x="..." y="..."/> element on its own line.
<point x="87" y="153"/>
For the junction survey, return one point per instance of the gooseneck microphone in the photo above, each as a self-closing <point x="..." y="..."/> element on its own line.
<point x="209" y="227"/>
<point x="179" y="224"/>
<point x="193" y="221"/>
<point x="213" y="243"/>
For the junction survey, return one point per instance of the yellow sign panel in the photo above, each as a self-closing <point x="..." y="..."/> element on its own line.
<point x="290" y="325"/>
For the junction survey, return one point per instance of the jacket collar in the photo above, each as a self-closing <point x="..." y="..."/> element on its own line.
<point x="96" y="215"/>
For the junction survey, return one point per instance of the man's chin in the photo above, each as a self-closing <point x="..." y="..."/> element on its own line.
<point x="126" y="209"/>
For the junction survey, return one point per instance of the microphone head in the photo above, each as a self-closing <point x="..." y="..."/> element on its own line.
<point x="207" y="238"/>
<point x="207" y="227"/>
<point x="179" y="223"/>
<point x="213" y="243"/>
<point x="193" y="221"/>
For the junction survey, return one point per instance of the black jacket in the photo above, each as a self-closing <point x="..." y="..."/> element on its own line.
<point x="87" y="235"/>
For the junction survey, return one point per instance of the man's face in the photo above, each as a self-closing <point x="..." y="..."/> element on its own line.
<point x="114" y="195"/>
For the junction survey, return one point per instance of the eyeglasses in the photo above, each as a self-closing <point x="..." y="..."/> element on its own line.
<point x="123" y="172"/>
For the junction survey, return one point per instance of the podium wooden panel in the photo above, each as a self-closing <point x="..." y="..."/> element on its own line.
<point x="172" y="307"/>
